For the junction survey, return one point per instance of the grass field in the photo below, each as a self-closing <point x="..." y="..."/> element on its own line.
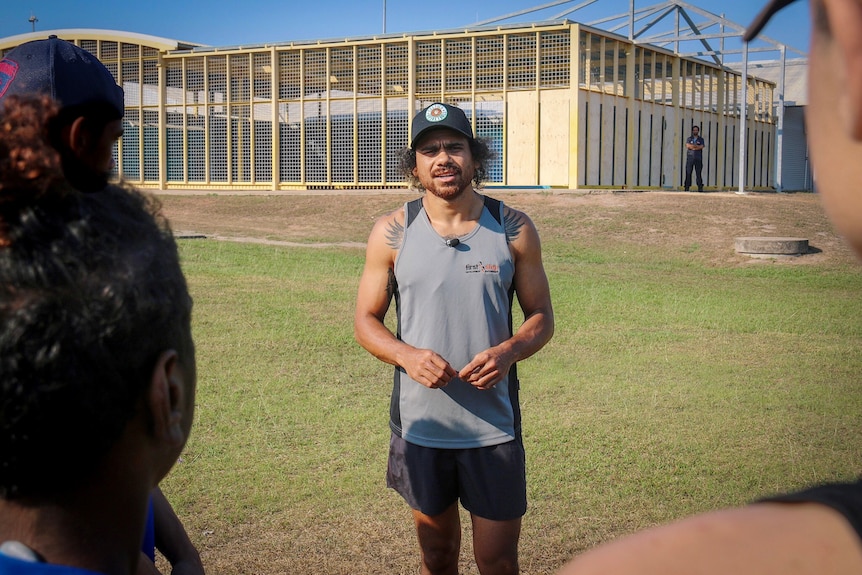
<point x="682" y="376"/>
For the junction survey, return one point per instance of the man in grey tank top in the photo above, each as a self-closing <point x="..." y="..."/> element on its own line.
<point x="453" y="261"/>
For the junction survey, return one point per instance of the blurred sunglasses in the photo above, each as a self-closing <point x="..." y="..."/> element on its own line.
<point x="760" y="21"/>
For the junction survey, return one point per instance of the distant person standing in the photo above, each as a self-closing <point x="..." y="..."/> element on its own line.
<point x="694" y="158"/>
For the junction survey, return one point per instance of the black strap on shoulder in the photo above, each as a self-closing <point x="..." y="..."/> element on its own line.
<point x="413" y="207"/>
<point x="494" y="207"/>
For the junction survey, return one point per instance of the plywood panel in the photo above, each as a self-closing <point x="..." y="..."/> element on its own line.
<point x="554" y="138"/>
<point x="522" y="146"/>
<point x="638" y="147"/>
<point x="651" y="145"/>
<point x="583" y="98"/>
<point x="592" y="138"/>
<point x="607" y="141"/>
<point x="670" y="169"/>
<point x="620" y="148"/>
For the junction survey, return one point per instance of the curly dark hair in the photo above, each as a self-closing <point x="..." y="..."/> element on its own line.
<point x="480" y="149"/>
<point x="91" y="293"/>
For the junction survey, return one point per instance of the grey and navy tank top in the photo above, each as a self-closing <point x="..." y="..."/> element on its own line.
<point x="457" y="301"/>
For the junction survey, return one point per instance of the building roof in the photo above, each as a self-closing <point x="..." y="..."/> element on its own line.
<point x="162" y="44"/>
<point x="795" y="77"/>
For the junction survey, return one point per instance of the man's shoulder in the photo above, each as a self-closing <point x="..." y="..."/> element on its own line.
<point x="396" y="214"/>
<point x="516" y="224"/>
<point x="388" y="231"/>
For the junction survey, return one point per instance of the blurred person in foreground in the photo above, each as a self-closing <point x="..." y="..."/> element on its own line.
<point x="84" y="131"/>
<point x="91" y="105"/>
<point x="97" y="365"/>
<point x="816" y="531"/>
<point x="452" y="260"/>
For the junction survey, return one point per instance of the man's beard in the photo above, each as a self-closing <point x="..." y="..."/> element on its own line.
<point x="451" y="190"/>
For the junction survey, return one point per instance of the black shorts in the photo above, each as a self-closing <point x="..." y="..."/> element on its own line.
<point x="491" y="482"/>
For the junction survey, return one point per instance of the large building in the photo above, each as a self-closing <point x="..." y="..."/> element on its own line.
<point x="564" y="105"/>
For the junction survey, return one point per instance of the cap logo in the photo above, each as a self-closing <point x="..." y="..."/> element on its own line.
<point x="8" y="70"/>
<point x="436" y="113"/>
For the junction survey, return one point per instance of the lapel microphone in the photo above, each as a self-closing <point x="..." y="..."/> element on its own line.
<point x="453" y="242"/>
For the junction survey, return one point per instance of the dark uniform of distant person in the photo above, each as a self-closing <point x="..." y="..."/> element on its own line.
<point x="694" y="158"/>
<point x="816" y="531"/>
<point x="453" y="260"/>
<point x="84" y="131"/>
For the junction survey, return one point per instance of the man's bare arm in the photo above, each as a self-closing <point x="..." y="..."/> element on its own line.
<point x="760" y="539"/>
<point x="376" y="288"/>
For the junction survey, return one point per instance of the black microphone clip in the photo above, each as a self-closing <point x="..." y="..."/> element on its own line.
<point x="453" y="242"/>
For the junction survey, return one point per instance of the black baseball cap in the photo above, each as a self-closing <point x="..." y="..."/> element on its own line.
<point x="57" y="68"/>
<point x="440" y="115"/>
<point x="760" y="21"/>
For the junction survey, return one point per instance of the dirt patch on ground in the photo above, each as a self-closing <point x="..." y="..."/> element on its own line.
<point x="704" y="224"/>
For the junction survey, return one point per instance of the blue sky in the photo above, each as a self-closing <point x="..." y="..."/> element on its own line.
<point x="222" y="23"/>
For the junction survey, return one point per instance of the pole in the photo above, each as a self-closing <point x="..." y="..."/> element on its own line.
<point x="779" y="139"/>
<point x="742" y="118"/>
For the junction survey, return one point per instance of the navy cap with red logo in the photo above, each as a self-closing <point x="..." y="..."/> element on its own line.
<point x="65" y="72"/>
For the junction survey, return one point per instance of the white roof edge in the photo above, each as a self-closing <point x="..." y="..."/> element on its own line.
<point x="98" y="34"/>
<point x="770" y="63"/>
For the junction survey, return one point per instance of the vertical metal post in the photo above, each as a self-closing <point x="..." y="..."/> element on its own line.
<point x="721" y="108"/>
<point x="742" y="119"/>
<point x="162" y="145"/>
<point x="631" y="95"/>
<point x="384" y="116"/>
<point x="576" y="94"/>
<point x="275" y="136"/>
<point x="676" y="94"/>
<point x="779" y="131"/>
<point x="538" y="156"/>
